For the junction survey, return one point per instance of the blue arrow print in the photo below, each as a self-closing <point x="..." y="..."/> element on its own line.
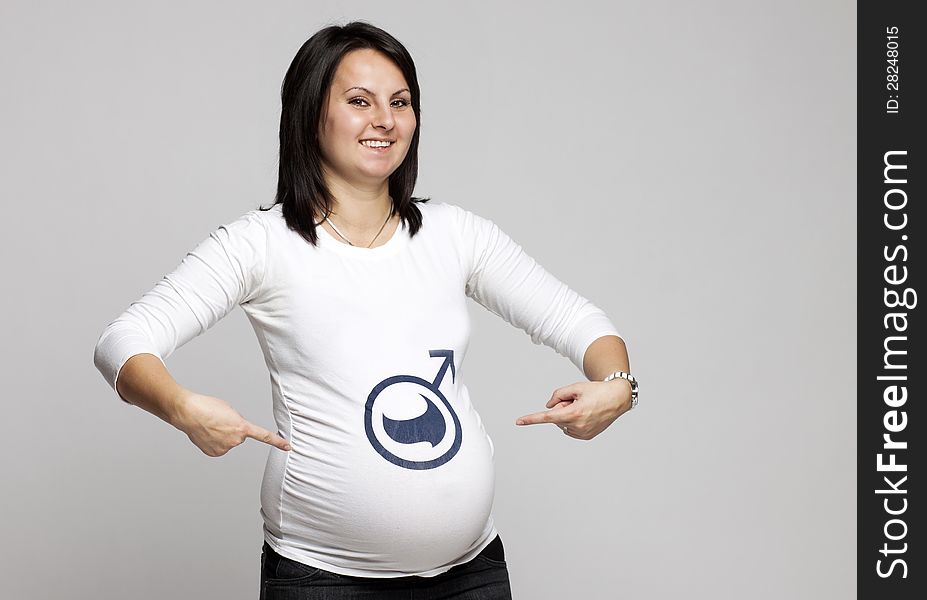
<point x="428" y="427"/>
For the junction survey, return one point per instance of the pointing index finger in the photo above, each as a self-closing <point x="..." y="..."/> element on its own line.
<point x="555" y="415"/>
<point x="263" y="435"/>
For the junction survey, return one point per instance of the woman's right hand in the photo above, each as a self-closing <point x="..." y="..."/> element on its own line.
<point x="215" y="427"/>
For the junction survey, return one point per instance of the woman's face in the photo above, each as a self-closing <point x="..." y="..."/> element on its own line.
<point x="369" y="100"/>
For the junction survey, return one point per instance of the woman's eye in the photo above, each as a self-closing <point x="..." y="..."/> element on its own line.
<point x="402" y="103"/>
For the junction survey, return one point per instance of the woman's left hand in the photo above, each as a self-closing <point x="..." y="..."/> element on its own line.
<point x="585" y="409"/>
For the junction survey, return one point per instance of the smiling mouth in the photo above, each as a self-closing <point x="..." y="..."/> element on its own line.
<point x="377" y="144"/>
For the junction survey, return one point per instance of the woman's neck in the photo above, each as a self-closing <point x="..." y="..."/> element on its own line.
<point x="359" y="209"/>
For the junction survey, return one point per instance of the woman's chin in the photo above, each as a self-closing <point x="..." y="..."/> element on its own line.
<point x="374" y="172"/>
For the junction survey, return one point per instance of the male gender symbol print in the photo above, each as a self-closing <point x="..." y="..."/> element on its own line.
<point x="410" y="422"/>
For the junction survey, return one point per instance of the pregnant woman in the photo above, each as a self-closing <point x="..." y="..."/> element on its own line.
<point x="380" y="477"/>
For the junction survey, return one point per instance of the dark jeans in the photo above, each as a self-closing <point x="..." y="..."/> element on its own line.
<point x="486" y="577"/>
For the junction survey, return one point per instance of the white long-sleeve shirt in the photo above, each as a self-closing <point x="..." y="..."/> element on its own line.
<point x="391" y="471"/>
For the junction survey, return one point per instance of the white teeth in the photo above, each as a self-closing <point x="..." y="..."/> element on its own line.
<point x="375" y="144"/>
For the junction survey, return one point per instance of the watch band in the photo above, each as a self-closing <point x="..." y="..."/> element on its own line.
<point x="630" y="379"/>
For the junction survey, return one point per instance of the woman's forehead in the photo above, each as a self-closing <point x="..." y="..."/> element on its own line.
<point x="368" y="69"/>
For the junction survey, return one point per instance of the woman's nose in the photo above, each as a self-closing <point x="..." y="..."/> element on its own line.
<point x="383" y="117"/>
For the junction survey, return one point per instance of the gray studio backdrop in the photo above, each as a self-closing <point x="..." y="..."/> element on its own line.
<point x="689" y="167"/>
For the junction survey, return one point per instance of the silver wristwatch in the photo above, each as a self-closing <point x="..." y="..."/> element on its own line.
<point x="631" y="380"/>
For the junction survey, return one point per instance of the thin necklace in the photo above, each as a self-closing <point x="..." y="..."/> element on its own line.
<point x="390" y="214"/>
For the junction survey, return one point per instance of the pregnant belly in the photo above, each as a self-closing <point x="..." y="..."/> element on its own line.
<point x="351" y="506"/>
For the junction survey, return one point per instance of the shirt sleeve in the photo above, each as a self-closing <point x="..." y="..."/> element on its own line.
<point x="223" y="271"/>
<point x="507" y="281"/>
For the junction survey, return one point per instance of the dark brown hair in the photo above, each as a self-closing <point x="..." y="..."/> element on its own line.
<point x="301" y="186"/>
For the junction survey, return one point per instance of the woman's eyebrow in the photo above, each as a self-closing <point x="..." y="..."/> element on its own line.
<point x="357" y="87"/>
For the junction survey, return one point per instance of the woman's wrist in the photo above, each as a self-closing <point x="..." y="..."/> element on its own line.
<point x="621" y="389"/>
<point x="177" y="407"/>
